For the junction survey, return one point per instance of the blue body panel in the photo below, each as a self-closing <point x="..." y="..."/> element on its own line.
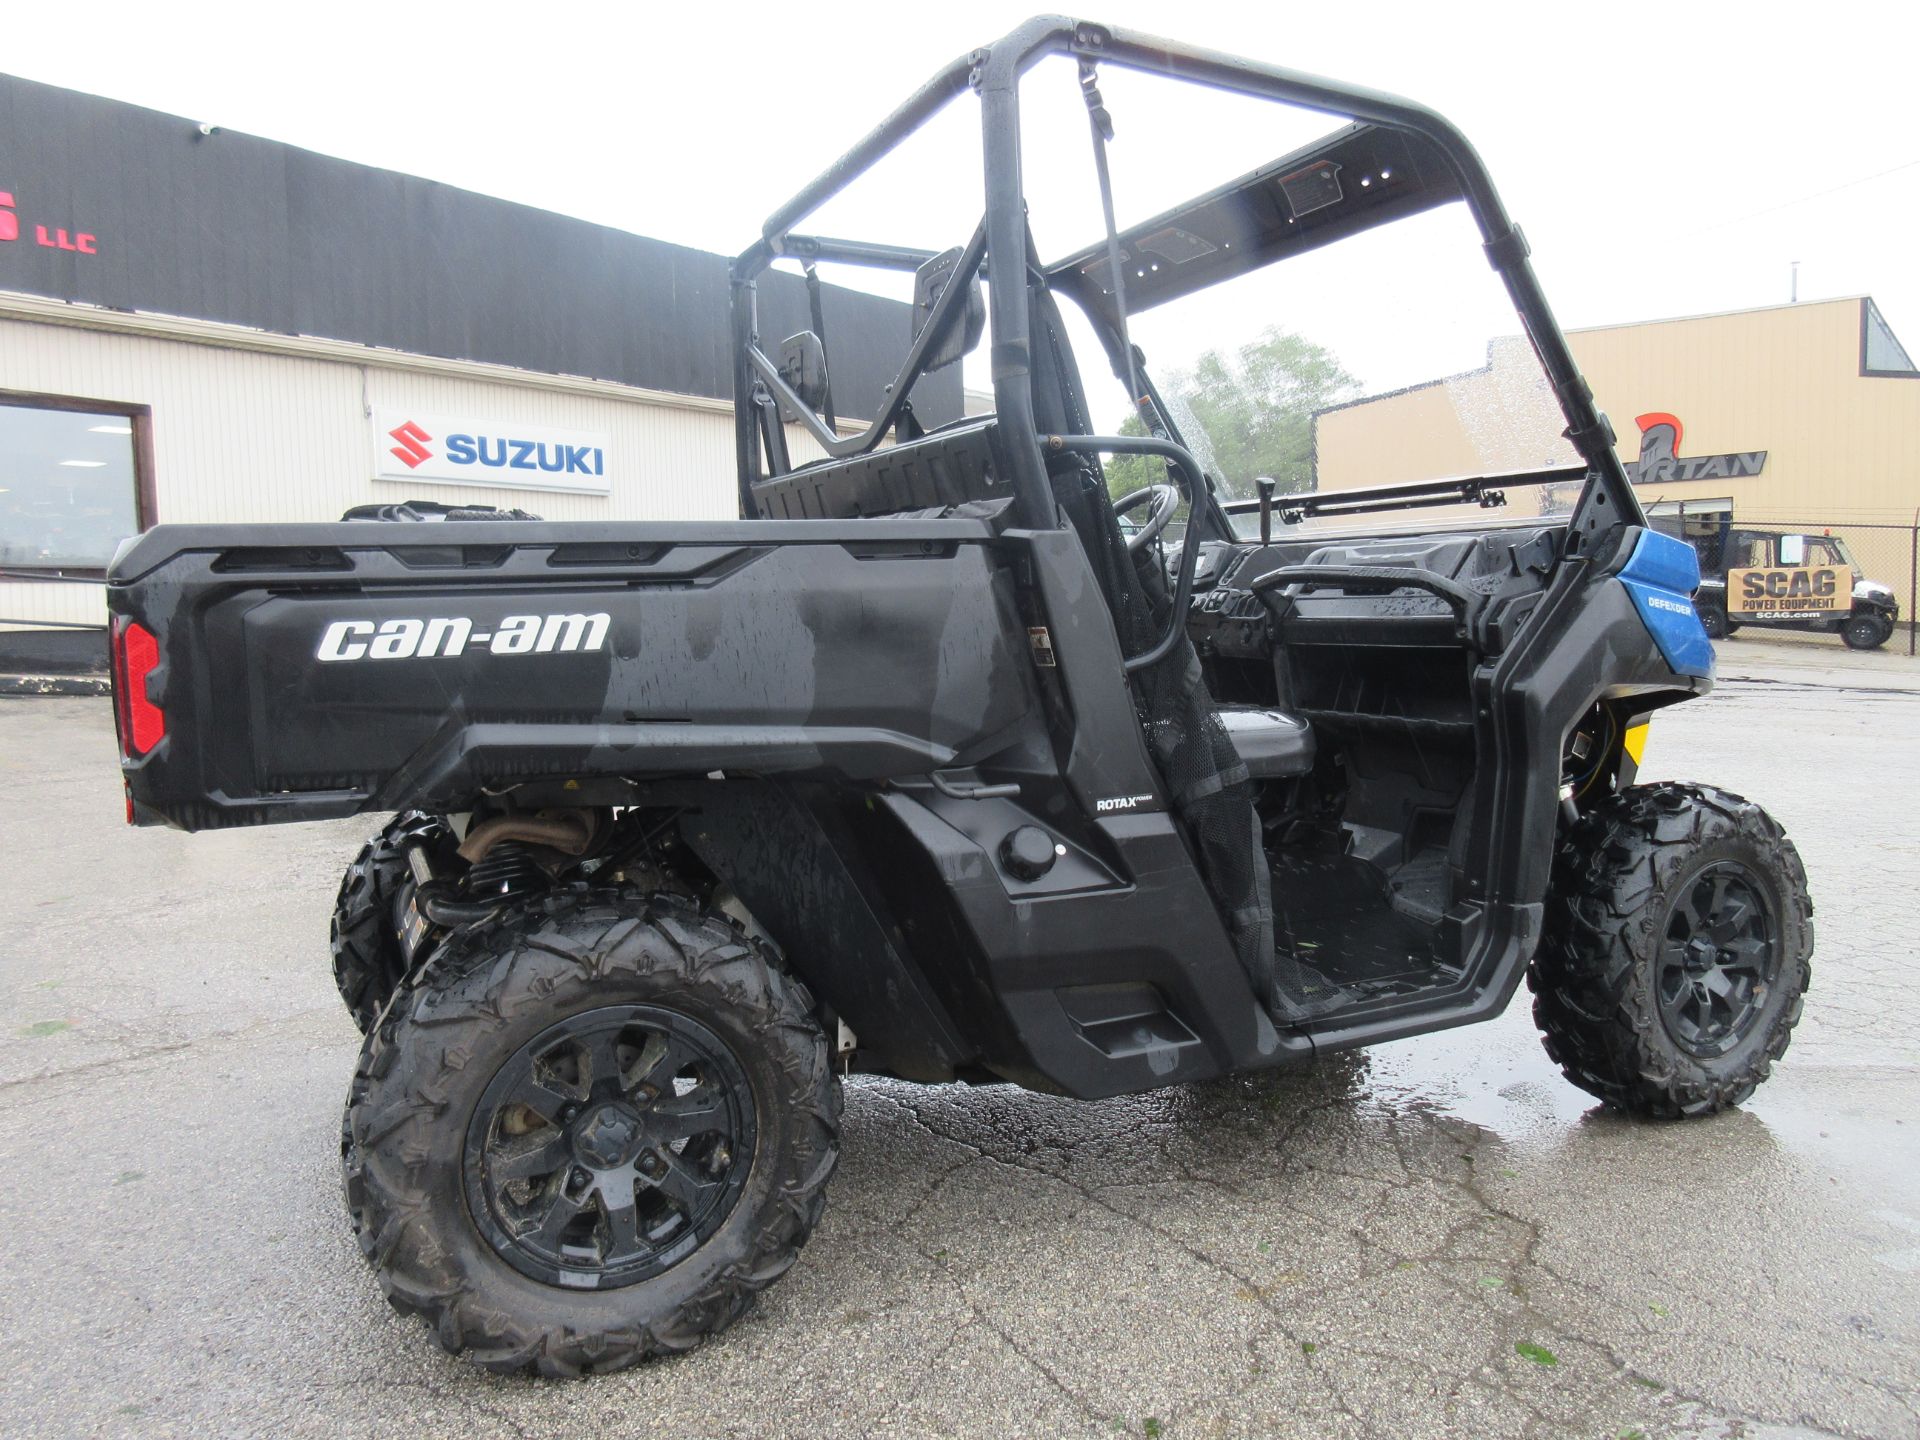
<point x="1661" y="576"/>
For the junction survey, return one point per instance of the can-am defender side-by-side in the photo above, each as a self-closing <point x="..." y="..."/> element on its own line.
<point x="931" y="766"/>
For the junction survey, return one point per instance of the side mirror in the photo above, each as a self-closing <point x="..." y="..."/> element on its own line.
<point x="1793" y="549"/>
<point x="929" y="283"/>
<point x="803" y="365"/>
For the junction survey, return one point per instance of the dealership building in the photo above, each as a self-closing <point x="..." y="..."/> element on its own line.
<point x="201" y="326"/>
<point x="1802" y="417"/>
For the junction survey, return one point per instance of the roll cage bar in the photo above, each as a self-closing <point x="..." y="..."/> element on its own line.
<point x="1607" y="502"/>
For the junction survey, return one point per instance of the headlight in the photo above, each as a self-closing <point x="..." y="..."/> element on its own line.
<point x="1869" y="590"/>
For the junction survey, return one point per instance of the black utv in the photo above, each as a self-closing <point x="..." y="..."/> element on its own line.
<point x="928" y="766"/>
<point x="1782" y="580"/>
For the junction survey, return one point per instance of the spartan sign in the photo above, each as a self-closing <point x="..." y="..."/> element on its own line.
<point x="1660" y="461"/>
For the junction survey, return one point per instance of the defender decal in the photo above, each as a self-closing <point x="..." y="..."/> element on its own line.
<point x="449" y="636"/>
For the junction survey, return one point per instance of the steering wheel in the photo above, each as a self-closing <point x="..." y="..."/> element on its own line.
<point x="1162" y="500"/>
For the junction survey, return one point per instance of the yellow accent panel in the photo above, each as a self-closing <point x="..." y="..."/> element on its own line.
<point x="1636" y="743"/>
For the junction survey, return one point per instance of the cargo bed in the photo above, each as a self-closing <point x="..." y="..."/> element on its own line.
<point x="301" y="672"/>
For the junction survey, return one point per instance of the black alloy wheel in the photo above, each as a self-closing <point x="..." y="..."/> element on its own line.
<point x="1674" y="959"/>
<point x="1720" y="959"/>
<point x="609" y="1146"/>
<point x="589" y="1131"/>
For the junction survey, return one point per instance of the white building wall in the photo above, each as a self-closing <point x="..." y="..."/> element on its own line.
<point x="247" y="435"/>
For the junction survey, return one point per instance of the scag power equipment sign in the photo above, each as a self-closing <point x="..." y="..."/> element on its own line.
<point x="1807" y="592"/>
<point x="449" y="450"/>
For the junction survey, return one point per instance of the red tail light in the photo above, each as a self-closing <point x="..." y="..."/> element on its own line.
<point x="136" y="654"/>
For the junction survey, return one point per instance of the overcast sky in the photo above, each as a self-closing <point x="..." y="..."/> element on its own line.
<point x="1664" y="159"/>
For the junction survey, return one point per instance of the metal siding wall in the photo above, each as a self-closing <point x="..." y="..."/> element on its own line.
<point x="1785" y="380"/>
<point x="241" y="436"/>
<point x="243" y="230"/>
<point x="61" y="604"/>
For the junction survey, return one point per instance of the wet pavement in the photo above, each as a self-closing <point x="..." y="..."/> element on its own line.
<point x="1436" y="1238"/>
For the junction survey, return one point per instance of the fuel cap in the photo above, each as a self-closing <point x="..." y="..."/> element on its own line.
<point x="1027" y="853"/>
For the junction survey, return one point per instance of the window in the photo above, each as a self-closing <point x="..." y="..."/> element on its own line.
<point x="1881" y="353"/>
<point x="71" y="483"/>
<point x="1820" y="551"/>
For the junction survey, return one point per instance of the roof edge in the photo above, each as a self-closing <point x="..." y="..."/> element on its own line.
<point x="1719" y="314"/>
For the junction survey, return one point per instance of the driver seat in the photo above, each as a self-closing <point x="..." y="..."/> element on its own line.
<point x="1272" y="744"/>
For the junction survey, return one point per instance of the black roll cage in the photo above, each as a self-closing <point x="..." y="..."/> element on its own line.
<point x="1607" y="503"/>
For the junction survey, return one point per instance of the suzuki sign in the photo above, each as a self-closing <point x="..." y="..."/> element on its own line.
<point x="465" y="450"/>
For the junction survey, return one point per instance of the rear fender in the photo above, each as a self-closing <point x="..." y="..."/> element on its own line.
<point x="780" y="858"/>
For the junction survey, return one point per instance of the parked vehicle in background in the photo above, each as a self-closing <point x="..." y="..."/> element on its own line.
<point x="1783" y="580"/>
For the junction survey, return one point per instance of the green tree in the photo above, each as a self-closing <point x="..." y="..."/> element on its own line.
<point x="1256" y="406"/>
<point x="1127" y="473"/>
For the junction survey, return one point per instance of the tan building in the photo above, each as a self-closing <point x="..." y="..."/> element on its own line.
<point x="1792" y="412"/>
<point x="1802" y="417"/>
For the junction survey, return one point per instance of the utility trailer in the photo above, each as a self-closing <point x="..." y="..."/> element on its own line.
<point x="925" y="766"/>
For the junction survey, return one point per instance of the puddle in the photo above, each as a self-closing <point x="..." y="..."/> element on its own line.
<point x="1494" y="1076"/>
<point x="1852" y="1125"/>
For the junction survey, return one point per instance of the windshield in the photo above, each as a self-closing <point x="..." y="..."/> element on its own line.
<point x="1794" y="550"/>
<point x="1388" y="358"/>
<point x="1304" y="297"/>
<point x="1828" y="550"/>
<point x="1327" y="319"/>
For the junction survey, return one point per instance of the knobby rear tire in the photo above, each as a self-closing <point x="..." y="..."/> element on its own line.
<point x="421" y="1076"/>
<point x="368" y="962"/>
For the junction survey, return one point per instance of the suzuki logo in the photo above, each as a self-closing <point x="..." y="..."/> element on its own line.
<point x="412" y="449"/>
<point x="428" y="448"/>
<point x="9" y="222"/>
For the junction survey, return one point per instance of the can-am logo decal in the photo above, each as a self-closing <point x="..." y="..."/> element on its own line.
<point x="451" y="450"/>
<point x="1661" y="463"/>
<point x="449" y="636"/>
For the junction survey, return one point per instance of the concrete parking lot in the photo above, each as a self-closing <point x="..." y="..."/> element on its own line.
<point x="1439" y="1238"/>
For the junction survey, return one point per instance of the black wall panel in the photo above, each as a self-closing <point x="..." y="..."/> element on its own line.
<point x="233" y="228"/>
